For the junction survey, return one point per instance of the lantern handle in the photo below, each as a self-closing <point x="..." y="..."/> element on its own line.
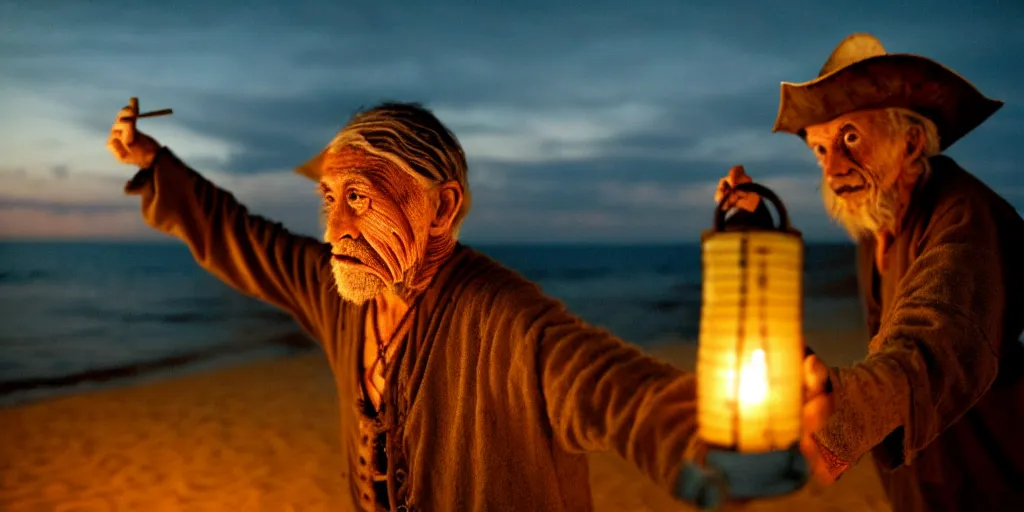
<point x="760" y="190"/>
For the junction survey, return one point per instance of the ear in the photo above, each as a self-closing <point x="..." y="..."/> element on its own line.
<point x="915" y="140"/>
<point x="448" y="203"/>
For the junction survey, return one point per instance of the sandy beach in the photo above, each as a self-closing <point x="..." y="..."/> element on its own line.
<point x="263" y="437"/>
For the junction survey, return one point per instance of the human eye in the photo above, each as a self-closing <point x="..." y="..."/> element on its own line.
<point x="327" y="202"/>
<point x="850" y="136"/>
<point x="326" y="195"/>
<point x="357" y="199"/>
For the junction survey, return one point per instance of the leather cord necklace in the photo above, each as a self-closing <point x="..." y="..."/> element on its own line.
<point x="382" y="347"/>
<point x="381" y="360"/>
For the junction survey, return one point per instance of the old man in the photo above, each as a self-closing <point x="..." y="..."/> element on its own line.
<point x="939" y="401"/>
<point x="462" y="386"/>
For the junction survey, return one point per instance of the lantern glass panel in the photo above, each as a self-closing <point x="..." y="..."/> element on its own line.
<point x="749" y="367"/>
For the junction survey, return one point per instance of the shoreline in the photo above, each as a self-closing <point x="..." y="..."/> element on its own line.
<point x="837" y="317"/>
<point x="20" y="392"/>
<point x="14" y="393"/>
<point x="138" y="369"/>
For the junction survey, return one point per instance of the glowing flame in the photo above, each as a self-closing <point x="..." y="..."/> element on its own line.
<point x="754" y="380"/>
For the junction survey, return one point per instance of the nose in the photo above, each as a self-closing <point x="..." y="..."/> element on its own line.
<point x="341" y="223"/>
<point x="836" y="166"/>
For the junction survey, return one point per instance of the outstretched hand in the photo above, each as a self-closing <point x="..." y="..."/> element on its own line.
<point x="129" y="145"/>
<point x="743" y="200"/>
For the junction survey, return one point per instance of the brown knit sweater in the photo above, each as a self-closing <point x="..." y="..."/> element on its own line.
<point x="939" y="401"/>
<point x="497" y="390"/>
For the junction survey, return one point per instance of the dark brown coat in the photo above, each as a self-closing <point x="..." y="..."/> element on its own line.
<point x="940" y="396"/>
<point x="497" y="392"/>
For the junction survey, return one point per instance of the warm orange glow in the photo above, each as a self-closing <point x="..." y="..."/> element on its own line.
<point x="754" y="381"/>
<point x="751" y="345"/>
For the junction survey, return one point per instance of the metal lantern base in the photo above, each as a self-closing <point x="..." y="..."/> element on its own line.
<point x="733" y="476"/>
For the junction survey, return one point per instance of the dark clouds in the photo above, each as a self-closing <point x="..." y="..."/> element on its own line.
<point x="276" y="82"/>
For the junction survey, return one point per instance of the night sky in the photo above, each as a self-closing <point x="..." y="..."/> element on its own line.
<point x="603" y="122"/>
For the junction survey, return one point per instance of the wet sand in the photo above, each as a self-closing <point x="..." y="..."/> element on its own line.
<point x="263" y="436"/>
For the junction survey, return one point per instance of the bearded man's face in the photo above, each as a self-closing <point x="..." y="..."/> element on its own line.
<point x="377" y="219"/>
<point x="861" y="155"/>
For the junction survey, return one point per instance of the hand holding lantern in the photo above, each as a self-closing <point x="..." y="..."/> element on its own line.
<point x="728" y="199"/>
<point x="758" y="398"/>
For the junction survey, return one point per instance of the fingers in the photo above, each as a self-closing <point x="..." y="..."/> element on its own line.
<point x="816" y="412"/>
<point x="116" y="147"/>
<point x="738" y="175"/>
<point x="125" y="117"/>
<point x="815" y="375"/>
<point x="128" y="121"/>
<point x="127" y="113"/>
<point x="819" y="404"/>
<point x="731" y="200"/>
<point x="816" y="462"/>
<point x="122" y="133"/>
<point x="125" y="142"/>
<point x="723" y="188"/>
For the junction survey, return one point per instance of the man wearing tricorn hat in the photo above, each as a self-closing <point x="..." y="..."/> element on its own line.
<point x="462" y="386"/>
<point x="939" y="400"/>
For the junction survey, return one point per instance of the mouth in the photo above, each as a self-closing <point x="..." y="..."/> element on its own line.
<point x="846" y="190"/>
<point x="345" y="259"/>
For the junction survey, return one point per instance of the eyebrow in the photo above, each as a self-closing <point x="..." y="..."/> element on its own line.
<point x="323" y="188"/>
<point x="818" y="138"/>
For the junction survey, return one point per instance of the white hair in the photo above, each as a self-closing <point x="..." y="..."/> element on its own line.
<point x="903" y="120"/>
<point x="411" y="137"/>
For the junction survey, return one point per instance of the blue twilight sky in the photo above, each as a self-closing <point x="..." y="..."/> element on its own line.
<point x="583" y="121"/>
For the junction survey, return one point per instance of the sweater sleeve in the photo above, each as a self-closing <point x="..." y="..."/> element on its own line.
<point x="936" y="352"/>
<point x="602" y="393"/>
<point x="253" y="255"/>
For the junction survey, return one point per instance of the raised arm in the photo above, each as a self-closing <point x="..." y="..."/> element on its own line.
<point x="255" y="256"/>
<point x="936" y="353"/>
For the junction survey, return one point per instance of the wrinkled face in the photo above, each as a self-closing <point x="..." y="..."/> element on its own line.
<point x="377" y="220"/>
<point x="861" y="156"/>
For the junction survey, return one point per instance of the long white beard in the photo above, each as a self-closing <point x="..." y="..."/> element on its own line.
<point x="872" y="215"/>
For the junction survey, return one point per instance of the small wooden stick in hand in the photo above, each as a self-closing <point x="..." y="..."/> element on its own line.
<point x="134" y="104"/>
<point x="156" y="113"/>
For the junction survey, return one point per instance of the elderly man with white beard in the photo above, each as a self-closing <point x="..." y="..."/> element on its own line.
<point x="939" y="400"/>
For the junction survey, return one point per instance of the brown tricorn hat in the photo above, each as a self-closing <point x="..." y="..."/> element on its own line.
<point x="860" y="75"/>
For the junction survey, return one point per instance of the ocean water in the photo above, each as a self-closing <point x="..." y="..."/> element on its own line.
<point x="76" y="316"/>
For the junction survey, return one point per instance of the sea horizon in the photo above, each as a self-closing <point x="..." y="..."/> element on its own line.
<point x="78" y="315"/>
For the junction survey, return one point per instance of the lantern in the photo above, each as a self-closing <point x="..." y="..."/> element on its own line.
<point x="749" y="359"/>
